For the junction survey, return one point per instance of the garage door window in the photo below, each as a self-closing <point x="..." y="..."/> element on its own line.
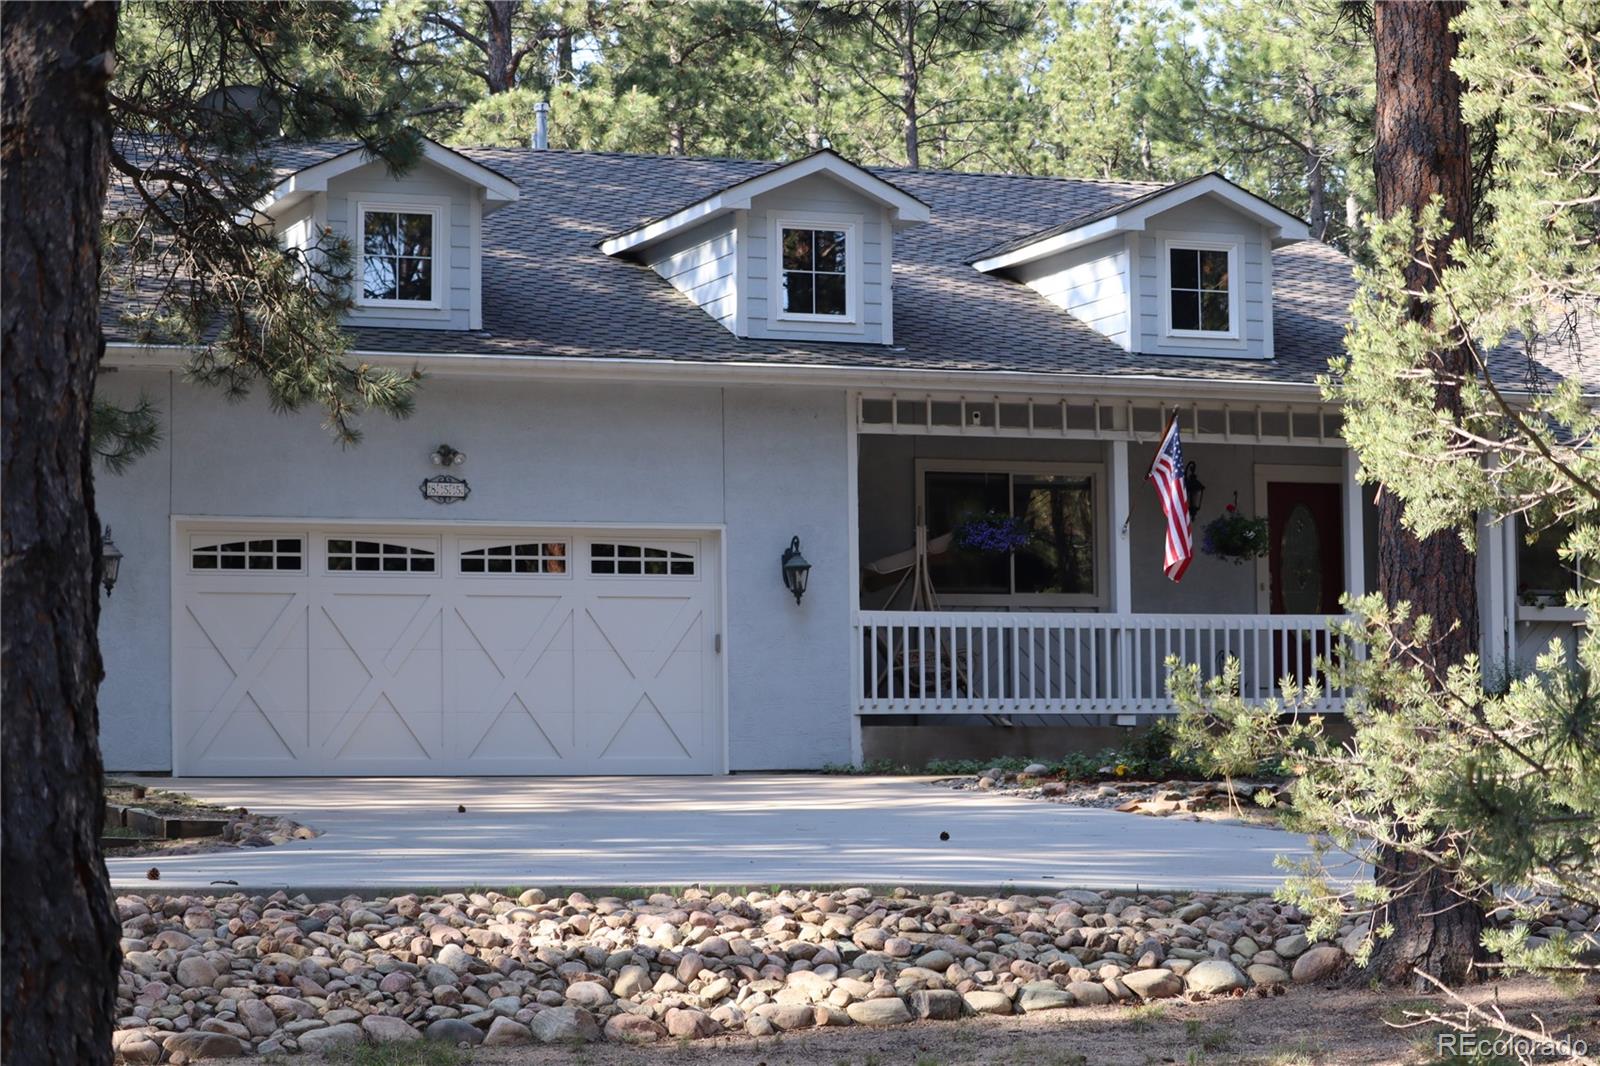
<point x="372" y="556"/>
<point x="639" y="559"/>
<point x="537" y="557"/>
<point x="275" y="553"/>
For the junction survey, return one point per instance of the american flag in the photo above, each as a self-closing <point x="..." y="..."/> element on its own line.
<point x="1166" y="472"/>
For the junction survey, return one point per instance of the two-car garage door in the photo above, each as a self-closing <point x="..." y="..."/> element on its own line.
<point x="409" y="650"/>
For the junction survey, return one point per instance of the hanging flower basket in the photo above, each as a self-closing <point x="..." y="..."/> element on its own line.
<point x="1235" y="536"/>
<point x="993" y="533"/>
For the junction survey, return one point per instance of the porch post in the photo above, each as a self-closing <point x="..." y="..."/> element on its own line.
<point x="1121" y="535"/>
<point x="1355" y="528"/>
<point x="1121" y="569"/>
<point x="852" y="475"/>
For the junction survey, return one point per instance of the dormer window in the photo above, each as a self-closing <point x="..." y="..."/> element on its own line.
<point x="1201" y="289"/>
<point x="820" y="270"/>
<point x="397" y="265"/>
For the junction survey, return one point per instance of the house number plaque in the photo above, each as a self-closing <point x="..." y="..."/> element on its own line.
<point x="445" y="488"/>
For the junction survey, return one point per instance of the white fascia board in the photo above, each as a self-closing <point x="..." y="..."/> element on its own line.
<point x="1061" y="242"/>
<point x="905" y="210"/>
<point x="1286" y="229"/>
<point x="1282" y="227"/>
<point x="681" y="371"/>
<point x="497" y="191"/>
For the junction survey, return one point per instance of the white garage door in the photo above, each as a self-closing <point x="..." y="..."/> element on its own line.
<point x="402" y="650"/>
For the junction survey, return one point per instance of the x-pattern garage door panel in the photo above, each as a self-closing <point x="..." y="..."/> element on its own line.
<point x="539" y="652"/>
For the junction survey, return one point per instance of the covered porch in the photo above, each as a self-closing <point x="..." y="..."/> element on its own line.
<point x="1075" y="626"/>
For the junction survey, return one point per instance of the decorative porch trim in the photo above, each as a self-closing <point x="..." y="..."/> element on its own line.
<point x="1062" y="418"/>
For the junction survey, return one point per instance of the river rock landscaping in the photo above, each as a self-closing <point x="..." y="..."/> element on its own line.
<point x="212" y="977"/>
<point x="1189" y="800"/>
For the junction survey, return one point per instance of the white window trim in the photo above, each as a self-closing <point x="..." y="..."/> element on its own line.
<point x="1235" y="285"/>
<point x="1096" y="472"/>
<point x="852" y="227"/>
<point x="439" y="211"/>
<point x="428" y="544"/>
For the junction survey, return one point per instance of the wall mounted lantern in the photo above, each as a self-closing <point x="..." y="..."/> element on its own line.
<point x="444" y="455"/>
<point x="796" y="571"/>
<point x="1193" y="487"/>
<point x="110" y="560"/>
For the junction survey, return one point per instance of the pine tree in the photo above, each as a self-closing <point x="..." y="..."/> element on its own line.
<point x="1482" y="777"/>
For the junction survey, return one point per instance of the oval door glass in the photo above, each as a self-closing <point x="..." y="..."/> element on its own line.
<point x="1300" y="548"/>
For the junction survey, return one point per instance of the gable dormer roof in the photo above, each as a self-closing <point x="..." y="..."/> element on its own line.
<point x="1130" y="216"/>
<point x="904" y="209"/>
<point x="498" y="190"/>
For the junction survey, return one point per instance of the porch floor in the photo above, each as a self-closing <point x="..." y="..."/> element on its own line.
<point x="745" y="829"/>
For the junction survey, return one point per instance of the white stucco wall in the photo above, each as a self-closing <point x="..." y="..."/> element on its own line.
<point x="766" y="464"/>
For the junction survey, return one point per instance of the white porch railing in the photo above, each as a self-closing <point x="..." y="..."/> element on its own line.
<point x="957" y="662"/>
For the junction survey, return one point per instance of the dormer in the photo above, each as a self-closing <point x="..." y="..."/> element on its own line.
<point x="803" y="251"/>
<point x="1184" y="270"/>
<point x="417" y="237"/>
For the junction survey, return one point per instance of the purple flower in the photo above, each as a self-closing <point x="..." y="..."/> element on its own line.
<point x="993" y="532"/>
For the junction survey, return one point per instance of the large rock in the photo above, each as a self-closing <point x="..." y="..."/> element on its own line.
<point x="1089" y="993"/>
<point x="257" y="1017"/>
<point x="387" y="1029"/>
<point x="630" y="981"/>
<point x="940" y="1004"/>
<point x="1262" y="974"/>
<point x="1043" y="995"/>
<point x="196" y="971"/>
<point x="1153" y="984"/>
<point x="688" y="1024"/>
<point x="345" y="1034"/>
<point x="504" y="1032"/>
<point x="197" y="1047"/>
<point x="565" y="1025"/>
<point x="135" y="1045"/>
<point x="1318" y="964"/>
<point x="455" y="958"/>
<point x="983" y="1001"/>
<point x="454" y="1031"/>
<point x="588" y="994"/>
<point x="633" y="1029"/>
<point x="1214" y="977"/>
<point x="879" y="1012"/>
<point x="1290" y="947"/>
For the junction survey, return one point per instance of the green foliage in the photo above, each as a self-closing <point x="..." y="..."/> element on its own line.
<point x="202" y="94"/>
<point x="119" y="435"/>
<point x="1495" y="781"/>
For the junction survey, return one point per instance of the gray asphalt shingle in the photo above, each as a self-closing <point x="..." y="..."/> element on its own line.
<point x="549" y="292"/>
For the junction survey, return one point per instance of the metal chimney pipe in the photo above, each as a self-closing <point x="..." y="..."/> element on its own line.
<point x="541" y="125"/>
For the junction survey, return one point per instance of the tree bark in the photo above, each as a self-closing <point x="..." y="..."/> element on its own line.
<point x="908" y="81"/>
<point x="59" y="927"/>
<point x="1422" y="150"/>
<point x="498" y="38"/>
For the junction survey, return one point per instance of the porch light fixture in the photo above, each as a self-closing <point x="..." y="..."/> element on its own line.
<point x="444" y="455"/>
<point x="110" y="560"/>
<point x="1193" y="487"/>
<point x="796" y="571"/>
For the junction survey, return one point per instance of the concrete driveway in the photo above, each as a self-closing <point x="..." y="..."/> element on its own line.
<point x="393" y="833"/>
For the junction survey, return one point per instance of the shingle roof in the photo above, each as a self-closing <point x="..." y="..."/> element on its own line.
<point x="549" y="292"/>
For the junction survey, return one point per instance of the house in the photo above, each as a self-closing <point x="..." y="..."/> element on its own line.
<point x="651" y="378"/>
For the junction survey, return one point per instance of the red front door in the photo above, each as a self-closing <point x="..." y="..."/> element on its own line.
<point x="1306" y="565"/>
<point x="1306" y="560"/>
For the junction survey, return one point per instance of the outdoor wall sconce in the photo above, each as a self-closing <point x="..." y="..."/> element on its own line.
<point x="1193" y="487"/>
<point x="444" y="455"/>
<point x="796" y="571"/>
<point x="110" y="560"/>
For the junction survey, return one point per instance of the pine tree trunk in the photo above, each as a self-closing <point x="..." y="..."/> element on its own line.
<point x="59" y="928"/>
<point x="1422" y="150"/>
<point x="497" y="37"/>
<point x="908" y="82"/>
